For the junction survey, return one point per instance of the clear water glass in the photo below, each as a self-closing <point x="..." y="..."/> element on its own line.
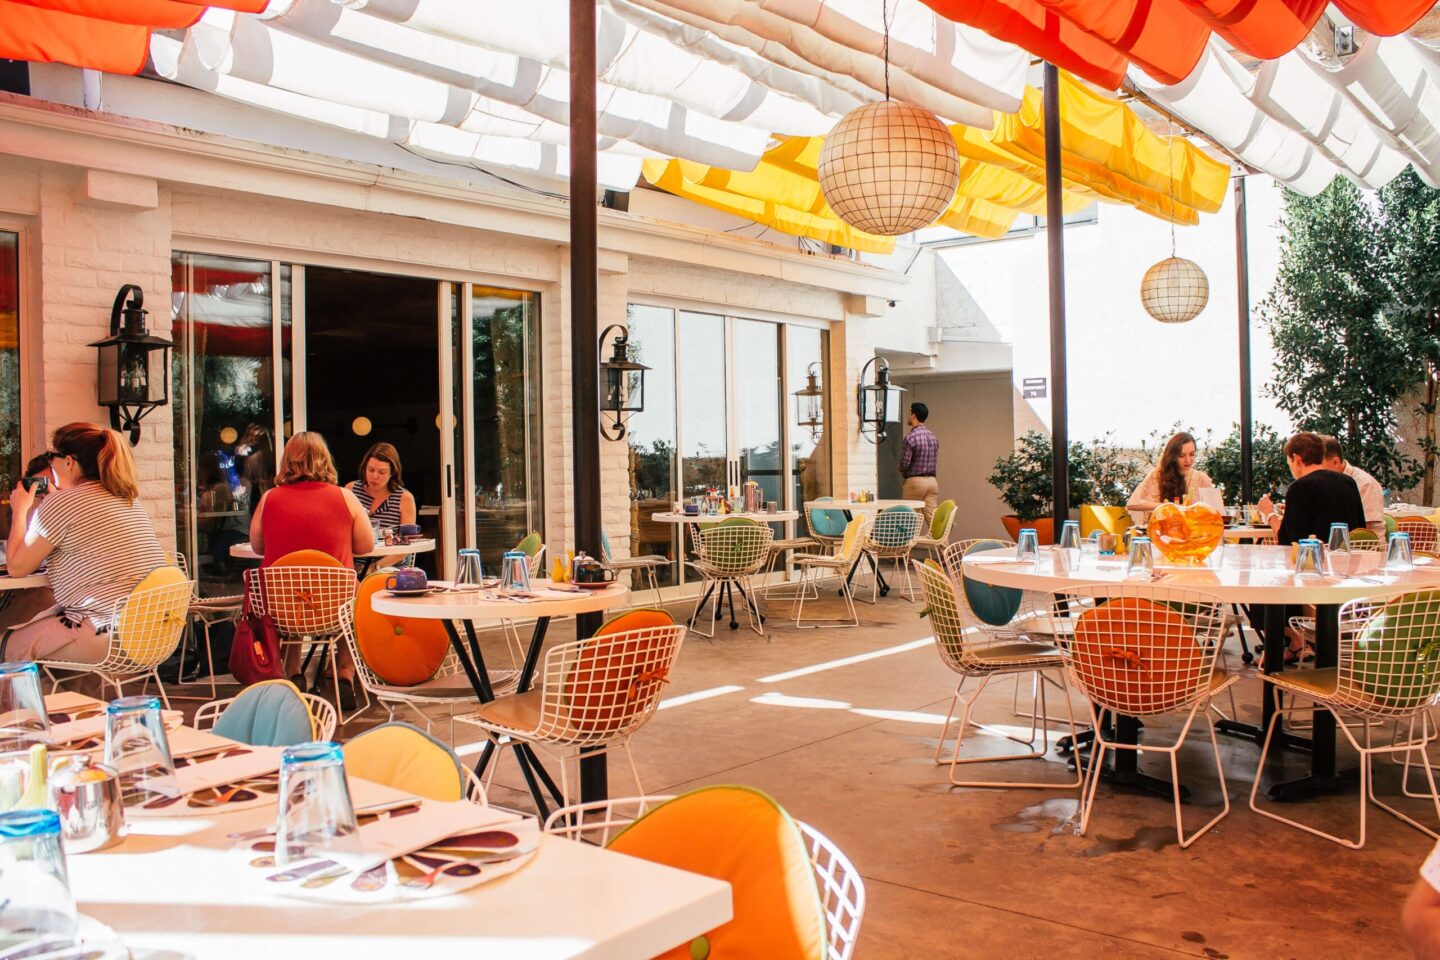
<point x="514" y="571"/>
<point x="1089" y="555"/>
<point x="1070" y="542"/>
<point x="23" y="720"/>
<point x="1397" y="554"/>
<point x="1339" y="546"/>
<point x="315" y="811"/>
<point x="468" y="570"/>
<point x="1142" y="558"/>
<point x="1027" y="545"/>
<point x="137" y="747"/>
<point x="1309" y="560"/>
<point x="36" y="889"/>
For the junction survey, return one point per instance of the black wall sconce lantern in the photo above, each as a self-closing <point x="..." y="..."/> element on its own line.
<point x="878" y="401"/>
<point x="810" y="403"/>
<point x="134" y="375"/>
<point x="622" y="384"/>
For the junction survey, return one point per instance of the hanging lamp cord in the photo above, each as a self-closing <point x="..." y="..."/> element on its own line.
<point x="885" y="43"/>
<point x="1170" y="127"/>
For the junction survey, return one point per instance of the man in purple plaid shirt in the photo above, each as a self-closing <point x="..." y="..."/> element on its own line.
<point x="918" y="457"/>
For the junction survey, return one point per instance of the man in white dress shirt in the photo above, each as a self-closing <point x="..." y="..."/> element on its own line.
<point x="1372" y="495"/>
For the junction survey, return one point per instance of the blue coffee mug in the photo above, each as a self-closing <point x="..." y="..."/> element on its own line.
<point x="407" y="578"/>
<point x="692" y="509"/>
<point x="408" y="530"/>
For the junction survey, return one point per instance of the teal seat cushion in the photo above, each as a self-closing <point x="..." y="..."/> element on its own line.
<point x="604" y="545"/>
<point x="268" y="714"/>
<point x="828" y="523"/>
<point x="996" y="606"/>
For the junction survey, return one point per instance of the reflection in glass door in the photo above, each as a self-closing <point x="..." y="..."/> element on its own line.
<point x="650" y="435"/>
<point x="757" y="453"/>
<point x="704" y="423"/>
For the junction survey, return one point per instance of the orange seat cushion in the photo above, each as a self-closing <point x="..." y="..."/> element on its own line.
<point x="402" y="651"/>
<point x="745" y="838"/>
<point x="636" y="620"/>
<point x="1137" y="656"/>
<point x="307" y="558"/>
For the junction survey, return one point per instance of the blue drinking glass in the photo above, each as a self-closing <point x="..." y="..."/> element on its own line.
<point x="38" y="904"/>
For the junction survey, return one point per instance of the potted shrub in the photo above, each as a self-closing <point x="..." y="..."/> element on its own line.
<point x="1023" y="479"/>
<point x="1115" y="472"/>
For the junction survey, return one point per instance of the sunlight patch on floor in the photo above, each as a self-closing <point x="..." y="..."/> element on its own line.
<point x="698" y="695"/>
<point x="848" y="661"/>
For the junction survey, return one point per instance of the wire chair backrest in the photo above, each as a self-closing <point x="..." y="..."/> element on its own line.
<point x="1140" y="650"/>
<point x="943" y="522"/>
<point x="857" y="534"/>
<point x="1424" y="535"/>
<point x="148" y="624"/>
<point x="303" y="601"/>
<point x="1389" y="663"/>
<point x="597" y="821"/>
<point x="369" y="679"/>
<point x="824" y="522"/>
<point x="842" y="892"/>
<point x="942" y="606"/>
<point x="895" y="530"/>
<point x="953" y="556"/>
<point x="735" y="549"/>
<point x="604" y="688"/>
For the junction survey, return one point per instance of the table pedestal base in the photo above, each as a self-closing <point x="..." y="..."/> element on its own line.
<point x="1315" y="786"/>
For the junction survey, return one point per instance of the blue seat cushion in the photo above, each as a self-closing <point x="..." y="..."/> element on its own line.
<point x="996" y="606"/>
<point x="269" y="714"/>
<point x="828" y="523"/>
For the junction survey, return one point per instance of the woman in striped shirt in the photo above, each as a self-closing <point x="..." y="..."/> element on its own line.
<point x="380" y="491"/>
<point x="98" y="541"/>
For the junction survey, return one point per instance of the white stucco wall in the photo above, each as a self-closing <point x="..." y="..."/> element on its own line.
<point x="1129" y="373"/>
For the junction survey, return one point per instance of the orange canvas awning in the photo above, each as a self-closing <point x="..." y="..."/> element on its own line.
<point x="1095" y="39"/>
<point x="108" y="35"/>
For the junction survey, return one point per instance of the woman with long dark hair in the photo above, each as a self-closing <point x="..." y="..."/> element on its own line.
<point x="1172" y="481"/>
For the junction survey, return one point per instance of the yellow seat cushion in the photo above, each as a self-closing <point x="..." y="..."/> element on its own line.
<point x="140" y="627"/>
<point x="406" y="758"/>
<point x="402" y="651"/>
<point x="745" y="838"/>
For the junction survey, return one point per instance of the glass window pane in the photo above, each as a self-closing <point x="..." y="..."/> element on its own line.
<point x="702" y="403"/>
<point x="10" y="449"/>
<point x="222" y="321"/>
<point x="758" y="406"/>
<point x="651" y="436"/>
<point x="507" y="477"/>
<point x="809" y="451"/>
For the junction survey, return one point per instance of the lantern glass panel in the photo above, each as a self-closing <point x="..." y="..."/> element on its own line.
<point x="633" y="391"/>
<point x="108" y="383"/>
<point x="157" y="362"/>
<point x="134" y="374"/>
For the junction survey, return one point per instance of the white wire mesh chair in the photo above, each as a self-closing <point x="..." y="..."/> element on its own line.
<point x="778" y="548"/>
<point x="973" y="656"/>
<point x="321" y="711"/>
<point x="892" y="537"/>
<point x="1388" y="670"/>
<point x="1140" y="650"/>
<point x="642" y="569"/>
<point x="935" y="541"/>
<point x="814" y="567"/>
<point x="449" y="687"/>
<point x="593" y="696"/>
<point x="206" y="611"/>
<point x="727" y="556"/>
<point x="1424" y="535"/>
<point x="305" y="603"/>
<point x="144" y="630"/>
<point x="839" y="884"/>
<point x="826" y="525"/>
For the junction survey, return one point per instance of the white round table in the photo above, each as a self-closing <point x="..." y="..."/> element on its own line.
<point x="246" y="552"/>
<point x="1260" y="576"/>
<point x="863" y="506"/>
<point x="469" y="605"/>
<point x="780" y="516"/>
<point x="1247" y="534"/>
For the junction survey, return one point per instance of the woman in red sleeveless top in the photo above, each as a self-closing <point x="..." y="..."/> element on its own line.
<point x="307" y="511"/>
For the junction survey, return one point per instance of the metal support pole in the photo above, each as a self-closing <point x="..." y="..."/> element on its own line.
<point x="1242" y="295"/>
<point x="584" y="327"/>
<point x="1055" y="245"/>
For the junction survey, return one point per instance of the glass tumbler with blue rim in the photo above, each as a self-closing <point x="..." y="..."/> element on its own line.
<point x="315" y="814"/>
<point x="36" y="889"/>
<point x="1309" y="561"/>
<point x="23" y="720"/>
<point x="1142" y="558"/>
<point x="1397" y="555"/>
<point x="1027" y="545"/>
<point x="137" y="746"/>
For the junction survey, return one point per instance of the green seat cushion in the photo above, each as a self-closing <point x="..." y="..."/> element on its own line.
<point x="1397" y="654"/>
<point x="1390" y="525"/>
<point x="996" y="606"/>
<point x="530" y="545"/>
<point x="268" y="714"/>
<point x="941" y="518"/>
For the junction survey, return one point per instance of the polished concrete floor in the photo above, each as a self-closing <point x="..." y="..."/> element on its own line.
<point x="840" y="725"/>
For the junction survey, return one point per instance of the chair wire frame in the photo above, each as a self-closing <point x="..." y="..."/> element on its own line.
<point x="816" y="566"/>
<point x="433" y="692"/>
<point x="1424" y="535"/>
<point x="144" y="630"/>
<point x="973" y="656"/>
<point x="892" y="537"/>
<point x="729" y="554"/>
<point x="1142" y="650"/>
<point x="641" y="568"/>
<point x="838" y="883"/>
<point x="206" y="611"/>
<point x="935" y="546"/>
<point x="593" y="696"/>
<point x="322" y="712"/>
<point x="1388" y="671"/>
<point x="1031" y="622"/>
<point x="306" y="604"/>
<point x="805" y="540"/>
<point x="826" y="540"/>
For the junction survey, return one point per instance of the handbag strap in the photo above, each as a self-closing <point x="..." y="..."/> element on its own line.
<point x="259" y="575"/>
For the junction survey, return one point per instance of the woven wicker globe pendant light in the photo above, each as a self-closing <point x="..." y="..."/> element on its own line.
<point x="889" y="168"/>
<point x="1175" y="290"/>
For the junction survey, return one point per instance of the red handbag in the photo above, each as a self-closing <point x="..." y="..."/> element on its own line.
<point x="255" y="652"/>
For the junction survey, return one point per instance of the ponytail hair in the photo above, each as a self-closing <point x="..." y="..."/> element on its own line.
<point x="103" y="456"/>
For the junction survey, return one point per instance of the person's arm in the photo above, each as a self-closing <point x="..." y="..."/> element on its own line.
<point x="1420" y="917"/>
<point x="257" y="535"/>
<point x="1146" y="496"/>
<point x="407" y="507"/>
<point x="362" y="535"/>
<point x="25" y="549"/>
<point x="907" y="453"/>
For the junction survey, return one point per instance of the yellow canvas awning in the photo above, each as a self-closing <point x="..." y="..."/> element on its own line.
<point x="1108" y="154"/>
